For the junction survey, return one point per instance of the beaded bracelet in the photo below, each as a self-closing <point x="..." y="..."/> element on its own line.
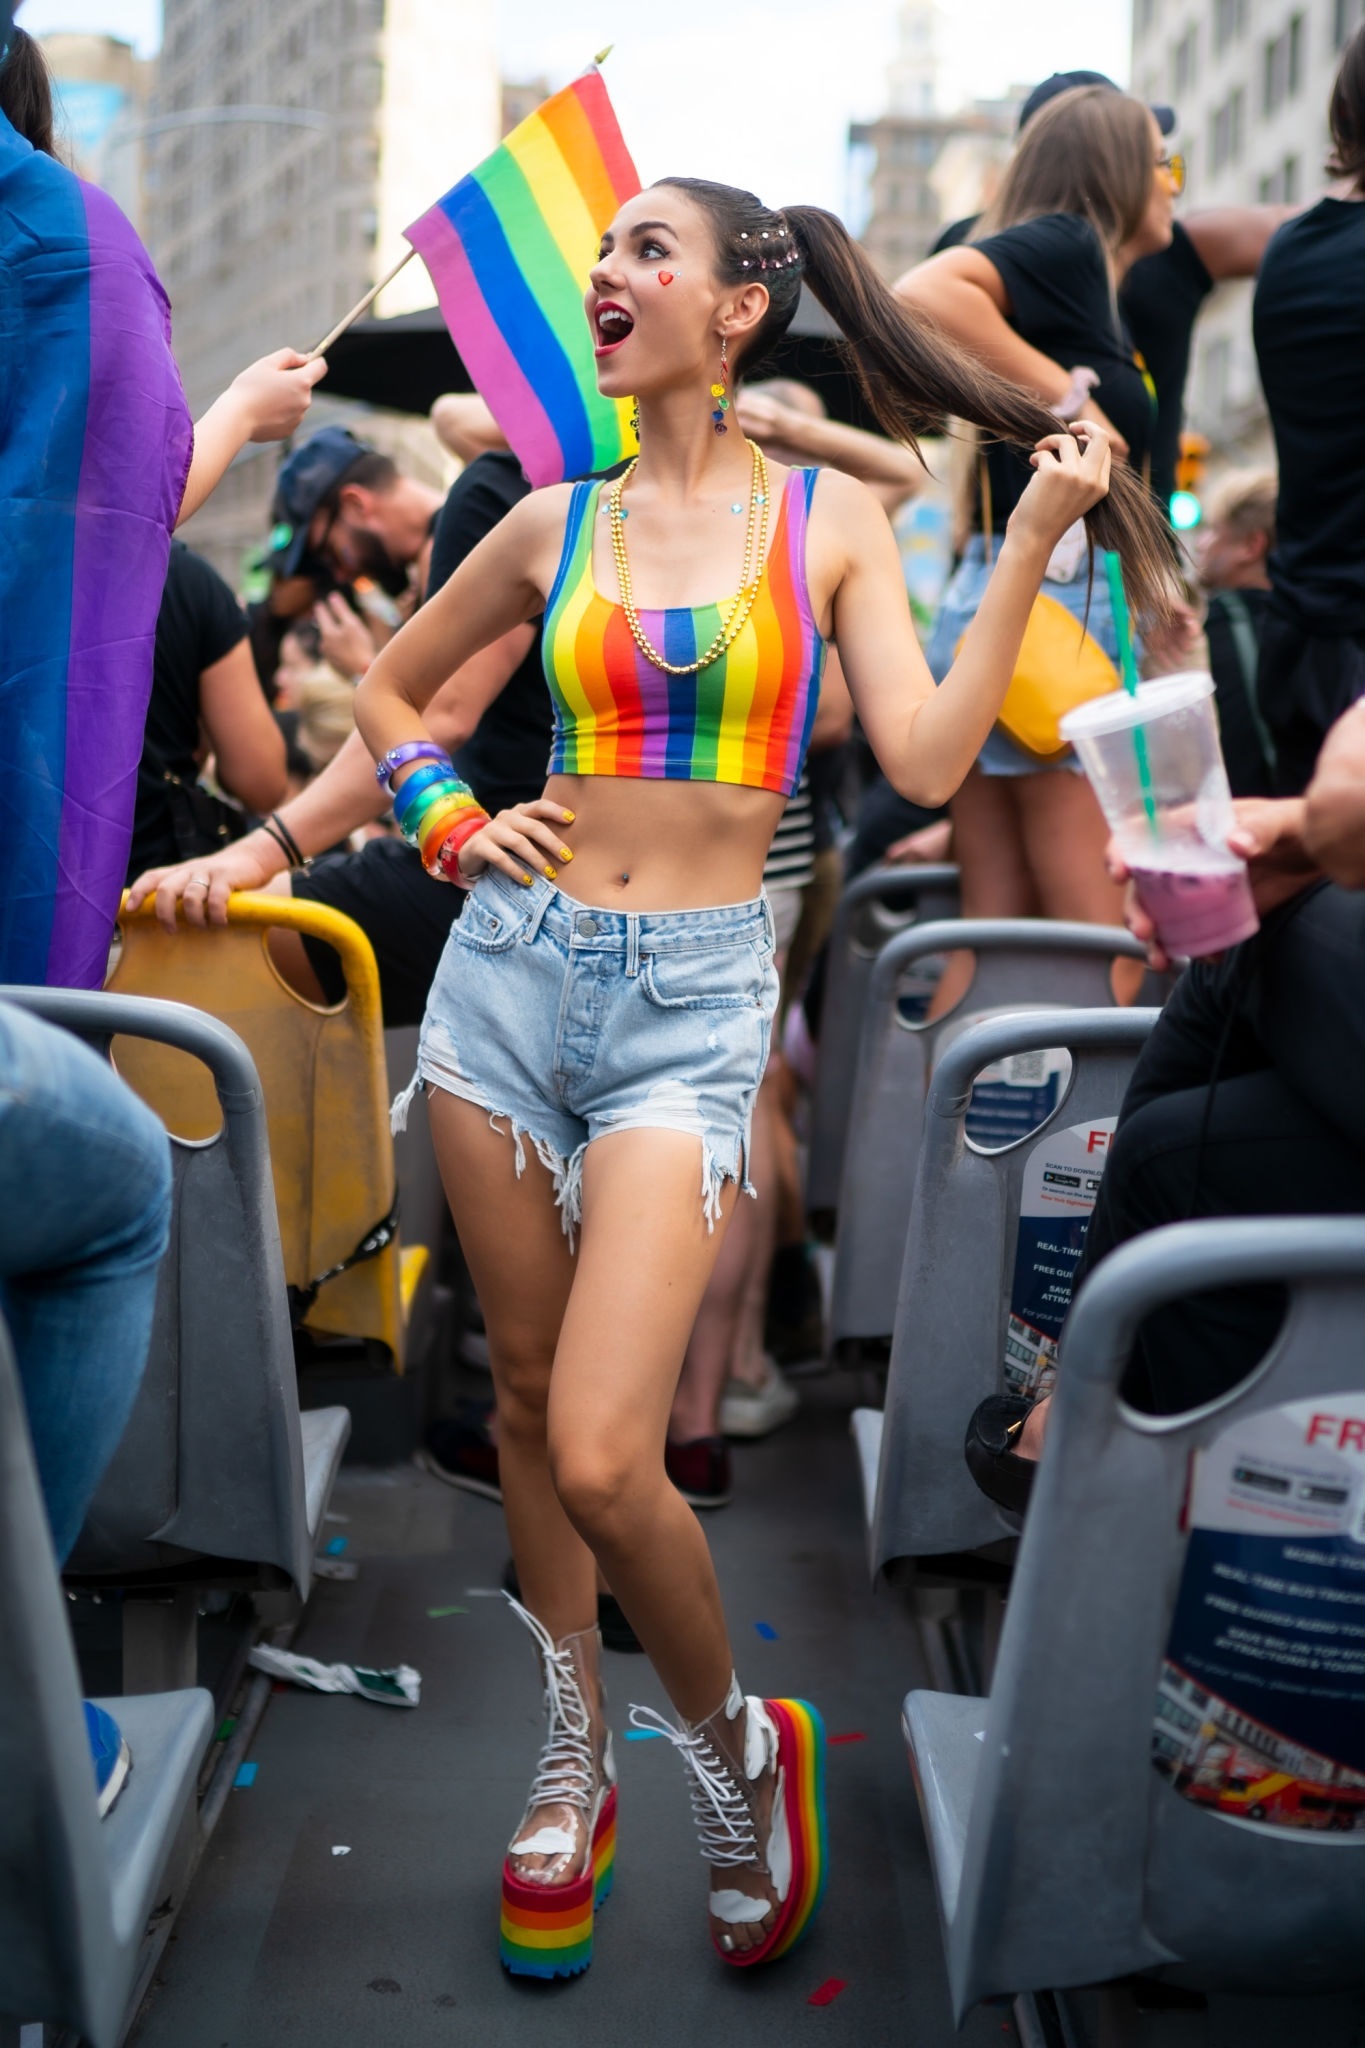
<point x="411" y="750"/>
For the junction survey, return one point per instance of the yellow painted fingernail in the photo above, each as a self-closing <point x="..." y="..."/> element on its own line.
<point x="566" y="853"/>
<point x="568" y="817"/>
<point x="525" y="881"/>
<point x="551" y="873"/>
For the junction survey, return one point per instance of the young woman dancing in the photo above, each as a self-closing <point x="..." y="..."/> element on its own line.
<point x="599" y="1024"/>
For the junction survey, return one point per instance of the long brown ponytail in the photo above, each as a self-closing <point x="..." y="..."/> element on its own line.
<point x="912" y="374"/>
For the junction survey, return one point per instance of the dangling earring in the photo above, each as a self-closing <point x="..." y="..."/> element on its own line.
<point x="718" y="392"/>
<point x="635" y="417"/>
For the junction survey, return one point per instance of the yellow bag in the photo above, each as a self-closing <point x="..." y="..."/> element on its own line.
<point x="1059" y="667"/>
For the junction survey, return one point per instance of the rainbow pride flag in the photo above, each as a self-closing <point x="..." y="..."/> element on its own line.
<point x="95" y="445"/>
<point x="509" y="250"/>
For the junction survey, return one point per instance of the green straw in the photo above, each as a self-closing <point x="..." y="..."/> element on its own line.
<point x="1118" y="604"/>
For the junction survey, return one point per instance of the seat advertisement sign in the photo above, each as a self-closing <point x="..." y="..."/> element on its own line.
<point x="1061" y="1181"/>
<point x="1260" y="1710"/>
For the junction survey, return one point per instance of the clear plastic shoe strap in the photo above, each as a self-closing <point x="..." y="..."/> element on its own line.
<point x="725" y="1825"/>
<point x="566" y="1772"/>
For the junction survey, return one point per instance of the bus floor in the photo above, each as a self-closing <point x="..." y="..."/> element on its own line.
<point x="285" y="1942"/>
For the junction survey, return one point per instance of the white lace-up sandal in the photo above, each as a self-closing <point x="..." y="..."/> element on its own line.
<point x="547" y="1922"/>
<point x="788" y="1738"/>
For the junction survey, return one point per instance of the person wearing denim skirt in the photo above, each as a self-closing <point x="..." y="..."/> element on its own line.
<point x="598" y="1028"/>
<point x="1088" y="191"/>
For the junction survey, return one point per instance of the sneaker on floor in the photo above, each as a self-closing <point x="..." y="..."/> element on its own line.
<point x="461" y="1451"/>
<point x="752" y="1411"/>
<point x="109" y="1752"/>
<point x="700" y="1469"/>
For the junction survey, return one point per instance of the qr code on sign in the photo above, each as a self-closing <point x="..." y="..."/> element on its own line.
<point x="1025" y="1069"/>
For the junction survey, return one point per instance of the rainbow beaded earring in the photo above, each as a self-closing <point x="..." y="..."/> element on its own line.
<point x="718" y="391"/>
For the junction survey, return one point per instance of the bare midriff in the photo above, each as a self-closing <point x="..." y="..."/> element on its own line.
<point x="654" y="845"/>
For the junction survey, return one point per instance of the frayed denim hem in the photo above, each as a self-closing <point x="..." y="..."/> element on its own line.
<point x="677" y="1114"/>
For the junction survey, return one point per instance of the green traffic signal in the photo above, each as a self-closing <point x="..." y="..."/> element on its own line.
<point x="1186" y="511"/>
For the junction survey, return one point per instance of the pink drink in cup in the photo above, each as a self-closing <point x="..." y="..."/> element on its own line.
<point x="1154" y="760"/>
<point x="1197" y="909"/>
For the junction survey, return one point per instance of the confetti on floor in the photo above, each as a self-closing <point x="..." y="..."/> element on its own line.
<point x="340" y="1849"/>
<point x="245" y="1778"/>
<point x="643" y="1735"/>
<point x="483" y="1593"/>
<point x="827" y="1992"/>
<point x="440" y="1613"/>
<point x="766" y="1630"/>
<point x="853" y="1735"/>
<point x="225" y="1728"/>
<point x="336" y="1545"/>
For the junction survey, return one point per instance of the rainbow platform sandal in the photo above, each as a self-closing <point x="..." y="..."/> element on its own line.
<point x="786" y="1737"/>
<point x="547" y="1926"/>
<point x="547" y="1929"/>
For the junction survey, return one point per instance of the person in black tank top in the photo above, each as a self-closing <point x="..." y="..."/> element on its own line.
<point x="1089" y="187"/>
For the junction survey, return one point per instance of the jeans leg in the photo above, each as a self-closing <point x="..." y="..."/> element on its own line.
<point x="85" y="1204"/>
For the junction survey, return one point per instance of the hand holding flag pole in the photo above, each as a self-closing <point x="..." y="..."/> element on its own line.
<point x="363" y="305"/>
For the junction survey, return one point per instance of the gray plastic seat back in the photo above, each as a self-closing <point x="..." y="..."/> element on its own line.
<point x="56" y="1933"/>
<point x="1083" y="1861"/>
<point x="84" y="1903"/>
<point x="1021" y="963"/>
<point x="875" y="908"/>
<point x="211" y="1463"/>
<point x="970" y="1274"/>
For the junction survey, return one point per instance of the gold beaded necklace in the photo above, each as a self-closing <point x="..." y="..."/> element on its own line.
<point x="755" y="556"/>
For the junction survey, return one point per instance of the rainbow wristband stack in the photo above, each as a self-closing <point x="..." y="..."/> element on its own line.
<point x="435" y="810"/>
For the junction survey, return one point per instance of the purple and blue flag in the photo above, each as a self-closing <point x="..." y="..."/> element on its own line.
<point x="95" y="447"/>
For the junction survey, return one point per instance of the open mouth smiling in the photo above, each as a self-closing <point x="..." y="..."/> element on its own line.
<point x="612" y="325"/>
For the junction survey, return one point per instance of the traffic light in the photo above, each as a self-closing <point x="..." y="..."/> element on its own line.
<point x="1186" y="510"/>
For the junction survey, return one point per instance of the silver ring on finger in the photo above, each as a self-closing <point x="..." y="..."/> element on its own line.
<point x="198" y="882"/>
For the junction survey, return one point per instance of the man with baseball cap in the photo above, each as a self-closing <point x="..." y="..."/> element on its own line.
<point x="343" y="510"/>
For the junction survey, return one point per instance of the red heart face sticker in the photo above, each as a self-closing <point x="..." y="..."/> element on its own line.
<point x="665" y="277"/>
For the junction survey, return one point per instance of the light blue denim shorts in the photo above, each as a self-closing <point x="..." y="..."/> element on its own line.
<point x="1087" y="602"/>
<point x="567" y="1023"/>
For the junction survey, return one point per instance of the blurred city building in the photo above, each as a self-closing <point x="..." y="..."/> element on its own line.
<point x="921" y="168"/>
<point x="287" y="148"/>
<point x="1250" y="80"/>
<point x="103" y="89"/>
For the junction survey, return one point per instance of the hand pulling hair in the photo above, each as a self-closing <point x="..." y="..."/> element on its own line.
<point x="912" y="374"/>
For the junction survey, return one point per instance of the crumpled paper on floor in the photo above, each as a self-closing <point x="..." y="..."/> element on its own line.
<point x="400" y="1687"/>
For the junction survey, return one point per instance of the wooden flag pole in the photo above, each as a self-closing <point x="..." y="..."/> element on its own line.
<point x="361" y="306"/>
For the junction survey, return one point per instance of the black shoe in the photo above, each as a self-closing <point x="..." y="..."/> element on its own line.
<point x="616" y="1631"/>
<point x="992" y="1460"/>
<point x="461" y="1451"/>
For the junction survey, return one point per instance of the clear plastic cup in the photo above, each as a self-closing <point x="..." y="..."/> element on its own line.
<point x="1172" y="824"/>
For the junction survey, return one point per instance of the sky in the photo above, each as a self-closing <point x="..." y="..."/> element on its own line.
<point x="676" y="87"/>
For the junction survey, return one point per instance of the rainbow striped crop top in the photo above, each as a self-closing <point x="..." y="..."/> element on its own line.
<point x="746" y="718"/>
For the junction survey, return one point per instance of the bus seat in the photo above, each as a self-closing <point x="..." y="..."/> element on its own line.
<point x="874" y="908"/>
<point x="76" y="1893"/>
<point x="1064" y="1853"/>
<point x="952" y="1323"/>
<point x="1021" y="963"/>
<point x="217" y="1479"/>
<point x="325" y="1081"/>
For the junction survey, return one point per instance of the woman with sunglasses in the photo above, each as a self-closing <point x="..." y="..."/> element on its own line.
<point x="597" y="1031"/>
<point x="1089" y="191"/>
